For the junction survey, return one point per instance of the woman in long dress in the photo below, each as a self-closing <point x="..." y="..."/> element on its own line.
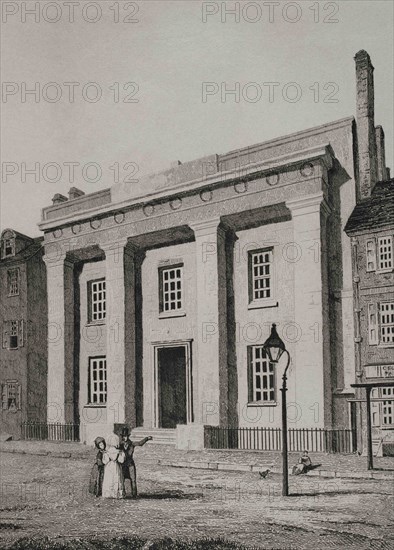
<point x="113" y="457"/>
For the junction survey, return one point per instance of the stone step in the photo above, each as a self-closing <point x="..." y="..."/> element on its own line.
<point x="161" y="436"/>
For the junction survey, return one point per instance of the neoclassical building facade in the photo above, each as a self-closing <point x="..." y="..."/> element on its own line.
<point x="161" y="293"/>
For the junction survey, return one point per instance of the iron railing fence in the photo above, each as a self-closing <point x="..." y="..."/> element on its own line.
<point x="270" y="439"/>
<point x="50" y="432"/>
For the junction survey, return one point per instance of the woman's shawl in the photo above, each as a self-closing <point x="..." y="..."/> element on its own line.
<point x="113" y="454"/>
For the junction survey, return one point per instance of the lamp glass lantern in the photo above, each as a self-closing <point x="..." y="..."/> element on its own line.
<point x="274" y="345"/>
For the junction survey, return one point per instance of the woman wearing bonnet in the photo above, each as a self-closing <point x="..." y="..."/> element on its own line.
<point x="113" y="457"/>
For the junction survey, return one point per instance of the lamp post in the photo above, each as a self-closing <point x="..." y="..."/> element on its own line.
<point x="275" y="347"/>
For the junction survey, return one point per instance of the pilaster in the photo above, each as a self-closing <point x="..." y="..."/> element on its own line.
<point x="312" y="364"/>
<point x="212" y="348"/>
<point x="120" y="319"/>
<point x="61" y="381"/>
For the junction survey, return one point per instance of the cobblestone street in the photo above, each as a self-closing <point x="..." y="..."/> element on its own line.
<point x="45" y="496"/>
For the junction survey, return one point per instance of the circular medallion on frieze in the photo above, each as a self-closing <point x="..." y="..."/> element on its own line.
<point x="95" y="224"/>
<point x="272" y="179"/>
<point x="119" y="217"/>
<point x="175" y="204"/>
<point x="206" y="196"/>
<point x="307" y="169"/>
<point x="77" y="228"/>
<point x="148" y="209"/>
<point x="240" y="187"/>
<point x="58" y="233"/>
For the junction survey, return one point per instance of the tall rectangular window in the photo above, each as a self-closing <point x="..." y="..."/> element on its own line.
<point x="97" y="304"/>
<point x="13" y="282"/>
<point x="97" y="381"/>
<point x="385" y="253"/>
<point x="261" y="376"/>
<point x="170" y="289"/>
<point x="14" y="329"/>
<point x="371" y="255"/>
<point x="260" y="274"/>
<point x="11" y="395"/>
<point x="388" y="407"/>
<point x="373" y="325"/>
<point x="387" y="322"/>
<point x="13" y="337"/>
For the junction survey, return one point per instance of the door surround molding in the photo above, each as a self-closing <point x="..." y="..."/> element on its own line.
<point x="187" y="345"/>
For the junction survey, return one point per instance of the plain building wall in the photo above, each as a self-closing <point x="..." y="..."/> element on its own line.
<point x="92" y="343"/>
<point x="156" y="329"/>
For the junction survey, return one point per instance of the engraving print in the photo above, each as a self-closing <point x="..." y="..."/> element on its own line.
<point x="197" y="353"/>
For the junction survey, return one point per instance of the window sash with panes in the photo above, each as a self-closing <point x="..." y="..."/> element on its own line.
<point x="261" y="377"/>
<point x="13" y="282"/>
<point x="98" y="381"/>
<point x="380" y="254"/>
<point x="14" y="330"/>
<point x="13" y="334"/>
<point x="11" y="395"/>
<point x="9" y="247"/>
<point x="97" y="301"/>
<point x="388" y="407"/>
<point x="171" y="289"/>
<point x="260" y="273"/>
<point x="385" y="253"/>
<point x="382" y="411"/>
<point x="387" y="323"/>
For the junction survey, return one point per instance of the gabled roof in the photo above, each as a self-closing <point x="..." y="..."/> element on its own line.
<point x="33" y="246"/>
<point x="376" y="211"/>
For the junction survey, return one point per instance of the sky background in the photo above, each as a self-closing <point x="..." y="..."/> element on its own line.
<point x="169" y="53"/>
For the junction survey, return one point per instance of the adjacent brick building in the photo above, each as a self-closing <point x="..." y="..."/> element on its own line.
<point x="371" y="228"/>
<point x="161" y="293"/>
<point x="23" y="320"/>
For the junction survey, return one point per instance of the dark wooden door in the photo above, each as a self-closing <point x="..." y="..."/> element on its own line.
<point x="172" y="386"/>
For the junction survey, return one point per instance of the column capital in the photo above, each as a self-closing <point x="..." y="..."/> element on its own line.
<point x="206" y="227"/>
<point x="58" y="259"/>
<point x="121" y="246"/>
<point x="309" y="205"/>
<point x="114" y="245"/>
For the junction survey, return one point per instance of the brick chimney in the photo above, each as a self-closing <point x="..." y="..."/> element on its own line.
<point x="380" y="154"/>
<point x="58" y="199"/>
<point x="75" y="193"/>
<point x="365" y="120"/>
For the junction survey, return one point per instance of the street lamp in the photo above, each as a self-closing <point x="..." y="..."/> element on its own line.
<point x="275" y="347"/>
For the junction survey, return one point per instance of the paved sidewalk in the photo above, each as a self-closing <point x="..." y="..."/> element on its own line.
<point x="331" y="465"/>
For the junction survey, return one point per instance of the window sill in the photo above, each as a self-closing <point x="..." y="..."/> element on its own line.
<point x="262" y="404"/>
<point x="94" y="406"/>
<point x="12" y="295"/>
<point x="95" y="323"/>
<point x="172" y="314"/>
<point x="389" y="345"/>
<point x="262" y="304"/>
<point x="388" y="270"/>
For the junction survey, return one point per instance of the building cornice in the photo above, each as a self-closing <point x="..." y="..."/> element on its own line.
<point x="321" y="153"/>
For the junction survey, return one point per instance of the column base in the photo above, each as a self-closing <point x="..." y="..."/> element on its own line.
<point x="190" y="437"/>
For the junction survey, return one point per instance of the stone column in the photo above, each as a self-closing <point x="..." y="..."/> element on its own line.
<point x="120" y="320"/>
<point x="60" y="287"/>
<point x="311" y="371"/>
<point x="210" y="365"/>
